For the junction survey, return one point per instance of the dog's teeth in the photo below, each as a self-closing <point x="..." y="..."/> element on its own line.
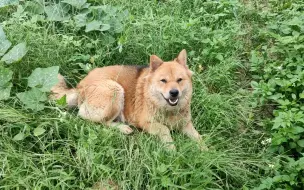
<point x="171" y="102"/>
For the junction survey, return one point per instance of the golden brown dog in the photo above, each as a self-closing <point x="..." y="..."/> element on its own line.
<point x="155" y="99"/>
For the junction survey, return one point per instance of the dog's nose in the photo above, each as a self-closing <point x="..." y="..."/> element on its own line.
<point x="174" y="92"/>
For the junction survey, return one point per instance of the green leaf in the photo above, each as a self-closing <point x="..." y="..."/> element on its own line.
<point x="278" y="139"/>
<point x="75" y="3"/>
<point x="5" y="76"/>
<point x="2" y="34"/>
<point x="44" y="78"/>
<point x="80" y="20"/>
<point x="219" y="57"/>
<point x="105" y="27"/>
<point x="301" y="143"/>
<point x="32" y="99"/>
<point x="57" y="12"/>
<point x="276" y="96"/>
<point x="297" y="130"/>
<point x="296" y="21"/>
<point x="292" y="145"/>
<point x="4" y="46"/>
<point x="15" y="54"/>
<point x="298" y="46"/>
<point x="34" y="7"/>
<point x="62" y="101"/>
<point x="4" y="3"/>
<point x="38" y="131"/>
<point x="19" y="137"/>
<point x="287" y="40"/>
<point x="293" y="96"/>
<point x="5" y="92"/>
<point x="86" y="5"/>
<point x="94" y="25"/>
<point x="5" y="85"/>
<point x="254" y="84"/>
<point x="118" y="27"/>
<point x="301" y="95"/>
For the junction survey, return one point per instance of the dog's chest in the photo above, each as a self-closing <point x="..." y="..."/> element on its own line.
<point x="173" y="120"/>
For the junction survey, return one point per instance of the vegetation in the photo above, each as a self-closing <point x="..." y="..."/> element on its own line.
<point x="248" y="93"/>
<point x="277" y="63"/>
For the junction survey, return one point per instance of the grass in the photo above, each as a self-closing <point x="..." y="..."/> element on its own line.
<point x="75" y="154"/>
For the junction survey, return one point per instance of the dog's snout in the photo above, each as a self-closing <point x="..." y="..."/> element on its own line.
<point x="174" y="92"/>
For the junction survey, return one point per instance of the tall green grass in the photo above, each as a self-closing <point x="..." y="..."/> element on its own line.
<point x="75" y="154"/>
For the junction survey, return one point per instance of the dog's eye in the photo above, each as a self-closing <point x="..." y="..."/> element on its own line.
<point x="179" y="80"/>
<point x="163" y="80"/>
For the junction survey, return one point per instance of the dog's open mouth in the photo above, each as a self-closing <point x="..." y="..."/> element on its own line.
<point x="172" y="101"/>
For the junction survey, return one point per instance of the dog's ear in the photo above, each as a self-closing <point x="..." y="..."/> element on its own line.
<point x="155" y="62"/>
<point x="182" y="58"/>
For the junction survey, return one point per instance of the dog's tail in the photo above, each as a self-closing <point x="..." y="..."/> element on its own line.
<point x="61" y="89"/>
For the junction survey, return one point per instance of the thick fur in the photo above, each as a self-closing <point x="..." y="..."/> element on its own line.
<point x="120" y="95"/>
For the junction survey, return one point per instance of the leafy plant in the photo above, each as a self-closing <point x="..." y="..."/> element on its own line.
<point x="4" y="3"/>
<point x="82" y="14"/>
<point x="32" y="99"/>
<point x="5" y="84"/>
<point x="288" y="175"/>
<point x="57" y="12"/>
<point x="15" y="54"/>
<point x="5" y="44"/>
<point x="43" y="78"/>
<point x="278" y="67"/>
<point x="41" y="81"/>
<point x="281" y="77"/>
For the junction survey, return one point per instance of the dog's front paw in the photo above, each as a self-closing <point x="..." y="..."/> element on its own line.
<point x="125" y="129"/>
<point x="170" y="147"/>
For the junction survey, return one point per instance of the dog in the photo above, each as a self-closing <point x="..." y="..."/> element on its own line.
<point x="154" y="98"/>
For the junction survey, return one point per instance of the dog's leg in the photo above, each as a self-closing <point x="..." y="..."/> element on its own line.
<point x="103" y="103"/>
<point x="99" y="115"/>
<point x="125" y="129"/>
<point x="192" y="133"/>
<point x="162" y="132"/>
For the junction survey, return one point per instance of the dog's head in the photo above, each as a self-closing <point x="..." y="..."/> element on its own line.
<point x="170" y="84"/>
